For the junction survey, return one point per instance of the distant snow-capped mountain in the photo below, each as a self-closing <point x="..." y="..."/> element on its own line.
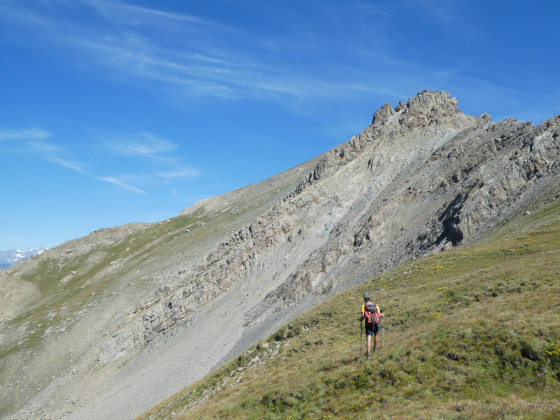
<point x="12" y="256"/>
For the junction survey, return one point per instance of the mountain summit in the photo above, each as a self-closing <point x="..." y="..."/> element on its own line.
<point x="108" y="325"/>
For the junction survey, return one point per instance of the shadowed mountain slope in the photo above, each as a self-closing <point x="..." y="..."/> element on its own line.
<point x="110" y="324"/>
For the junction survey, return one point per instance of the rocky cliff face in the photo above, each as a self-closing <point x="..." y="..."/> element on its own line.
<point x="423" y="177"/>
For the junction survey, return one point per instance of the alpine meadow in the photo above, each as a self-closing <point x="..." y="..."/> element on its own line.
<point x="247" y="305"/>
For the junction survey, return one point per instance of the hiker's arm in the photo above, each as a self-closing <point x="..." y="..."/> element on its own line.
<point x="362" y="314"/>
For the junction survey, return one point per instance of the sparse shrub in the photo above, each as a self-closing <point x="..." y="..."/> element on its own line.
<point x="528" y="352"/>
<point x="280" y="334"/>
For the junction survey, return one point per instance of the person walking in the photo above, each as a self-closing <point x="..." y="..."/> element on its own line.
<point x="371" y="314"/>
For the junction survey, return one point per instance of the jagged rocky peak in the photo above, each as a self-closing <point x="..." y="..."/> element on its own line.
<point x="425" y="107"/>
<point x="429" y="100"/>
<point x="383" y="114"/>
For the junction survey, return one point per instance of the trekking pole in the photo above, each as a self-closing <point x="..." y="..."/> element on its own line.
<point x="382" y="334"/>
<point x="361" y="332"/>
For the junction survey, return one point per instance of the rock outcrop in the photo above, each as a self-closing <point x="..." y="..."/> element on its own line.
<point x="422" y="178"/>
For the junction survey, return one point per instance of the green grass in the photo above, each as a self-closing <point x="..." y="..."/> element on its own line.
<point x="474" y="332"/>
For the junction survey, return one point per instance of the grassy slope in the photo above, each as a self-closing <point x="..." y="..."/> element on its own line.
<point x="471" y="332"/>
<point x="92" y="277"/>
<point x="77" y="292"/>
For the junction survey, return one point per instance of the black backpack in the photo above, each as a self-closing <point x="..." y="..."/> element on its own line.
<point x="371" y="313"/>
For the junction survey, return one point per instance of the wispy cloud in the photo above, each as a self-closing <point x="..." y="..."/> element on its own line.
<point x="189" y="56"/>
<point x="42" y="147"/>
<point x="194" y="73"/>
<point x="182" y="56"/>
<point x="449" y="16"/>
<point x="33" y="142"/>
<point x="181" y="173"/>
<point x="18" y="12"/>
<point x="148" y="145"/>
<point x="126" y="13"/>
<point x="115" y="181"/>
<point x="70" y="164"/>
<point x="24" y="134"/>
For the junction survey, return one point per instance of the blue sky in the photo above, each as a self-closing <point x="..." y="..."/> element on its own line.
<point x="118" y="111"/>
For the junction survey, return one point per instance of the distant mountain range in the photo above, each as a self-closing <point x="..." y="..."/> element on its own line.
<point x="12" y="256"/>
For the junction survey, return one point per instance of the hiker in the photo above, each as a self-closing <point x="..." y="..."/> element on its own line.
<point x="372" y="314"/>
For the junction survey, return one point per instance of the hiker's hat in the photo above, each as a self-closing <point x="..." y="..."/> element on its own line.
<point x="366" y="297"/>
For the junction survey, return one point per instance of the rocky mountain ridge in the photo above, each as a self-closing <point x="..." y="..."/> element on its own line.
<point x="421" y="178"/>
